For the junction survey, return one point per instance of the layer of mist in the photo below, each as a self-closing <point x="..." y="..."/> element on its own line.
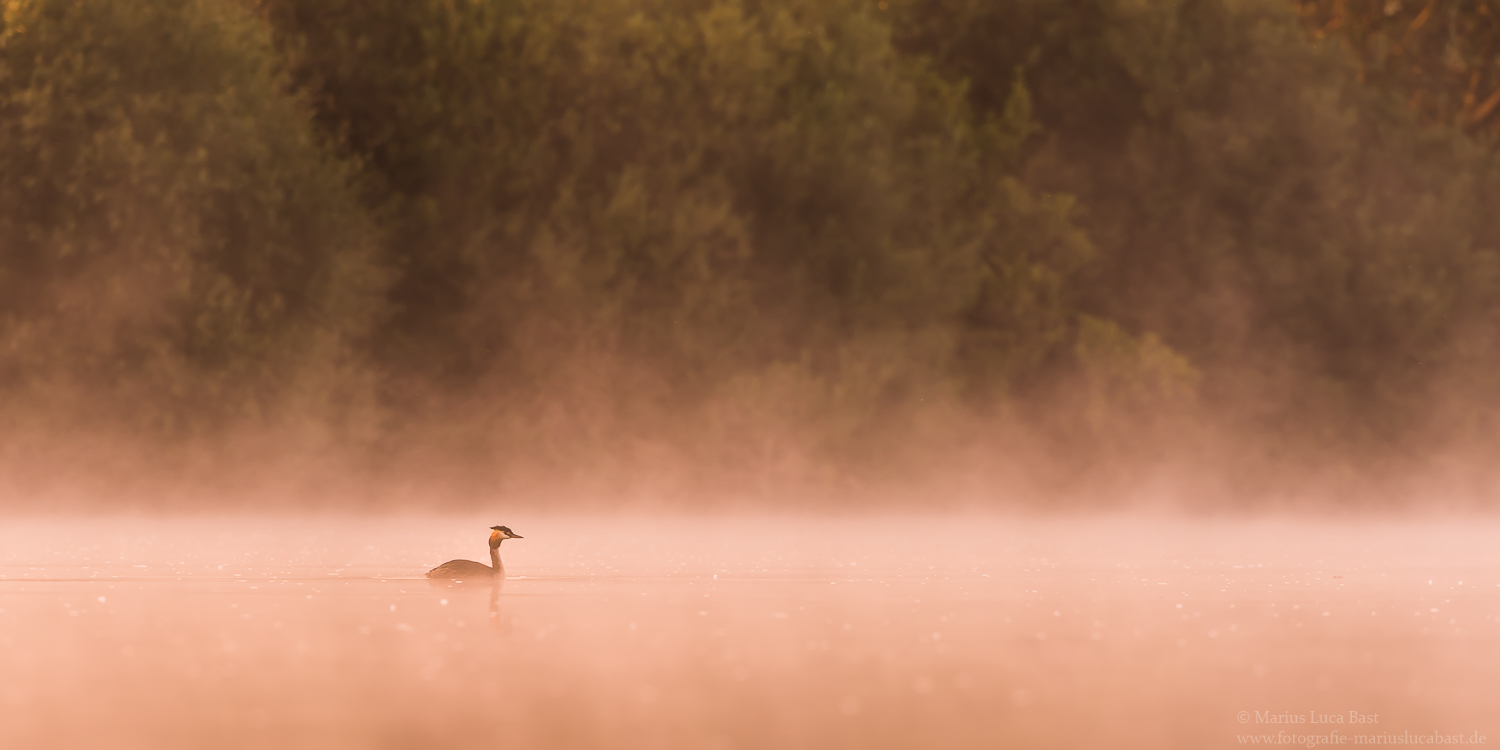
<point x="745" y="632"/>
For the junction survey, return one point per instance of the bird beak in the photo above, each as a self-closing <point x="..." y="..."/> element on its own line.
<point x="514" y="535"/>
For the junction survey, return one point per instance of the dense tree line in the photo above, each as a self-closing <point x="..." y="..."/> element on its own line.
<point x="180" y="255"/>
<point x="747" y="246"/>
<point x="1319" y="249"/>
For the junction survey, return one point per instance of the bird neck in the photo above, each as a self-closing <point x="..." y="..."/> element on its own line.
<point x="495" y="559"/>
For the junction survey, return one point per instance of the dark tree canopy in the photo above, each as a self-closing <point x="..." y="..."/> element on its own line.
<point x="751" y="246"/>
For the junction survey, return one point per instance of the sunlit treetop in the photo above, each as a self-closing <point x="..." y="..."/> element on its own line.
<point x="1443" y="55"/>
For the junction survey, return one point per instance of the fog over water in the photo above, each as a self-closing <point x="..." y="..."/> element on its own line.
<point x="745" y="632"/>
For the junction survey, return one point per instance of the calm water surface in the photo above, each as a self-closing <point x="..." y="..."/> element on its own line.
<point x="747" y="633"/>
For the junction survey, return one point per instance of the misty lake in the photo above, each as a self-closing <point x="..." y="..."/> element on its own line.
<point x="755" y="632"/>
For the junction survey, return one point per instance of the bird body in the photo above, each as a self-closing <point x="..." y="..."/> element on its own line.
<point x="463" y="569"/>
<point x="468" y="569"/>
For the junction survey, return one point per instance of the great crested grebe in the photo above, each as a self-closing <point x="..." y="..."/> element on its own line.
<point x="471" y="569"/>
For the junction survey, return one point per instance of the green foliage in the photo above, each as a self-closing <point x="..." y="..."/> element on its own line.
<point x="695" y="201"/>
<point x="1130" y="378"/>
<point x="755" y="241"/>
<point x="176" y="251"/>
<point x="1324" y="261"/>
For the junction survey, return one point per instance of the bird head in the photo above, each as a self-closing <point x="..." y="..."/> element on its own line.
<point x="500" y="534"/>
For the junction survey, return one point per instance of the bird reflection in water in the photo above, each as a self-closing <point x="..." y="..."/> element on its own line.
<point x="500" y="621"/>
